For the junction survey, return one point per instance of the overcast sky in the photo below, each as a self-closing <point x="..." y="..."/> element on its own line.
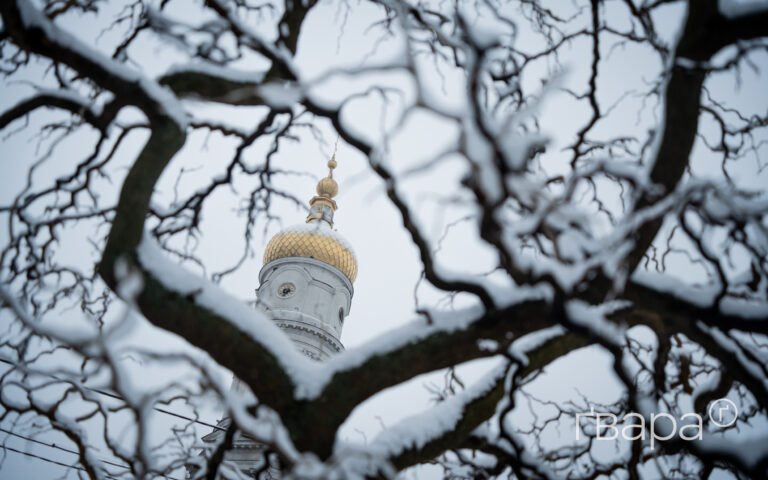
<point x="389" y="268"/>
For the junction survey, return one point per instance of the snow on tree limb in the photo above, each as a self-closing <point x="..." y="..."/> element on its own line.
<point x="583" y="233"/>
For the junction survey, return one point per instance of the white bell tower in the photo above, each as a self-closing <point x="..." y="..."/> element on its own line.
<point x="306" y="280"/>
<point x="306" y="287"/>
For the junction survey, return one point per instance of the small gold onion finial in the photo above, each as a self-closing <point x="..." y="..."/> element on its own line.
<point x="327" y="187"/>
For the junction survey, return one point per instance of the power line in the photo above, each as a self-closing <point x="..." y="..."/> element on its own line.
<point x="118" y="397"/>
<point x="58" y="447"/>
<point x="100" y="392"/>
<point x="49" y="460"/>
<point x="66" y="465"/>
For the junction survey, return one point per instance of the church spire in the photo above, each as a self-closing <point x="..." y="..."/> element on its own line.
<point x="322" y="206"/>
<point x="316" y="239"/>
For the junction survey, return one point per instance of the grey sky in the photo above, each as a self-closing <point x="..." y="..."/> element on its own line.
<point x="389" y="268"/>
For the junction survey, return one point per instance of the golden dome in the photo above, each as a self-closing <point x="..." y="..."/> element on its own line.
<point x="313" y="240"/>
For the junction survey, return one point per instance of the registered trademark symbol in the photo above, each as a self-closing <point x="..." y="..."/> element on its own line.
<point x="723" y="412"/>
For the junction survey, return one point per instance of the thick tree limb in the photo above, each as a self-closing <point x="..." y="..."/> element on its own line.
<point x="475" y="411"/>
<point x="705" y="33"/>
<point x="53" y="101"/>
<point x="348" y="388"/>
<point x="227" y="344"/>
<point x="194" y="84"/>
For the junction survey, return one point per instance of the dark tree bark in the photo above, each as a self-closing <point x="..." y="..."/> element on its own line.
<point x="559" y="263"/>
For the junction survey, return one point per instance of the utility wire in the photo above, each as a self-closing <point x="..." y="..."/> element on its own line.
<point x="118" y="397"/>
<point x="62" y="464"/>
<point x="49" y="460"/>
<point x="58" y="447"/>
<point x="53" y="445"/>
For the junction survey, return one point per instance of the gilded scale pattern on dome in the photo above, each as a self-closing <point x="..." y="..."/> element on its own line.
<point x="312" y="245"/>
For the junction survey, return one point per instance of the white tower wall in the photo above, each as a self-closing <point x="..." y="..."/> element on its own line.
<point x="309" y="300"/>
